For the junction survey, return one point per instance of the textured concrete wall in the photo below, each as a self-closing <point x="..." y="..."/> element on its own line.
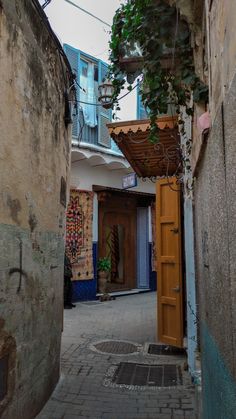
<point x="222" y="50"/>
<point x="190" y="285"/>
<point x="34" y="155"/>
<point x="219" y="385"/>
<point x="215" y="231"/>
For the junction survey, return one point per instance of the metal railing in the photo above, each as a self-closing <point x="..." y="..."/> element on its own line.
<point x="90" y="136"/>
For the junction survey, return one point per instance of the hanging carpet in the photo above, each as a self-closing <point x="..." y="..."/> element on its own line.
<point x="79" y="222"/>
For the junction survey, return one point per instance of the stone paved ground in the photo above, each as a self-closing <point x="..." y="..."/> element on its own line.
<point x="84" y="391"/>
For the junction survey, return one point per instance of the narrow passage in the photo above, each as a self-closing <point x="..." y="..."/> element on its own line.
<point x="107" y="372"/>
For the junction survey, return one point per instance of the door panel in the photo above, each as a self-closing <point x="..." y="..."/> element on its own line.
<point x="169" y="263"/>
<point x="142" y="248"/>
<point x="116" y="235"/>
<point x="117" y="240"/>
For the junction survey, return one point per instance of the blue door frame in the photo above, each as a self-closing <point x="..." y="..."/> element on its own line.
<point x="143" y="268"/>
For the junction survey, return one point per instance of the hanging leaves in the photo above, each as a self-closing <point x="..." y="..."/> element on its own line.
<point x="167" y="66"/>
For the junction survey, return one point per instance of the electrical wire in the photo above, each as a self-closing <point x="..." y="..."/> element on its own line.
<point x="100" y="104"/>
<point x="46" y="4"/>
<point x="88" y="13"/>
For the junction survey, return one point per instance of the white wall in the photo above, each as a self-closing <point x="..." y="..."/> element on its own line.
<point x="84" y="176"/>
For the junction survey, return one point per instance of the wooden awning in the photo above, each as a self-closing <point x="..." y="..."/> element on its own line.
<point x="146" y="159"/>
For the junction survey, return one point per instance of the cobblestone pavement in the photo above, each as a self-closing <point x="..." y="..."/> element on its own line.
<point x="85" y="389"/>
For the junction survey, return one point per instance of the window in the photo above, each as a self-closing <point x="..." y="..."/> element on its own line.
<point x="84" y="68"/>
<point x="96" y="73"/>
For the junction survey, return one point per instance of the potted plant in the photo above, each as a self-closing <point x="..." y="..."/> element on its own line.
<point x="103" y="268"/>
<point x="144" y="40"/>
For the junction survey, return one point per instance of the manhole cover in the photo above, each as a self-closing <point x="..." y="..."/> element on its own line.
<point x="154" y="349"/>
<point x="163" y="375"/>
<point x="116" y="347"/>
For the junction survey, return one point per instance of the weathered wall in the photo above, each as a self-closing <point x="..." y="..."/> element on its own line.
<point x="222" y="50"/>
<point x="34" y="155"/>
<point x="215" y="224"/>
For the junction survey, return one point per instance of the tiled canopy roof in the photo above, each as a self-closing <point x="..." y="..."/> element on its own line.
<point x="146" y="159"/>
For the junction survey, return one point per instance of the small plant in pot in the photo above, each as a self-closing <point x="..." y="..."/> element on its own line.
<point x="104" y="268"/>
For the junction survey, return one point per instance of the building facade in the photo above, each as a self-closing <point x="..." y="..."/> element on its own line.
<point x="108" y="223"/>
<point x="213" y="162"/>
<point x="35" y="78"/>
<point x="209" y="198"/>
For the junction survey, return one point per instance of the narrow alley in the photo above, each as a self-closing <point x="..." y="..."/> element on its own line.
<point x="117" y="179"/>
<point x="97" y="337"/>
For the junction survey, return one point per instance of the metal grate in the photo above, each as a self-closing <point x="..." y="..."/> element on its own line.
<point x="133" y="374"/>
<point x="154" y="349"/>
<point x="3" y="376"/>
<point x="116" y="347"/>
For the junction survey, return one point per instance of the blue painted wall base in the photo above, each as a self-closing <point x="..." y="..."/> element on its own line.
<point x="86" y="290"/>
<point x="219" y="386"/>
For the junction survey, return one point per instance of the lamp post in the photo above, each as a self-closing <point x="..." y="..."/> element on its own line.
<point x="105" y="91"/>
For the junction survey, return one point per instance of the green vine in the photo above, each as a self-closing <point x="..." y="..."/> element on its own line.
<point x="167" y="67"/>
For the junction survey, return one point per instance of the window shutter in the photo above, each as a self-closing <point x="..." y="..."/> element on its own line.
<point x="73" y="58"/>
<point x="115" y="147"/>
<point x="104" y="115"/>
<point x="141" y="111"/>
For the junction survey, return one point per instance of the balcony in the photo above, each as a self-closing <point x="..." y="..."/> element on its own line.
<point x="96" y="138"/>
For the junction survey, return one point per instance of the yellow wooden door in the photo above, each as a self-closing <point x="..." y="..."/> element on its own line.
<point x="169" y="263"/>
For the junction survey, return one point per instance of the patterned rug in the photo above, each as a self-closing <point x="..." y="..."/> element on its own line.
<point x="79" y="222"/>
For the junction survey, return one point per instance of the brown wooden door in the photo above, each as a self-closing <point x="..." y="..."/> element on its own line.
<point x="117" y="220"/>
<point x="169" y="263"/>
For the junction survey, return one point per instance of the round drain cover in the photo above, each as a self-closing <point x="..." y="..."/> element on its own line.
<point x="116" y="347"/>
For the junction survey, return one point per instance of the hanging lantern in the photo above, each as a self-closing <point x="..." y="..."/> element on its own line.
<point x="106" y="91"/>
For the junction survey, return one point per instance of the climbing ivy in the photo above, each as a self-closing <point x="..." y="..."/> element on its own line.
<point x="167" y="67"/>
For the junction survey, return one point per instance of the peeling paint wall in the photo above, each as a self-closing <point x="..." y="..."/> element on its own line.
<point x="215" y="221"/>
<point x="222" y="50"/>
<point x="34" y="157"/>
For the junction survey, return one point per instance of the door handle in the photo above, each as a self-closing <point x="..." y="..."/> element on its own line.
<point x="175" y="230"/>
<point x="176" y="289"/>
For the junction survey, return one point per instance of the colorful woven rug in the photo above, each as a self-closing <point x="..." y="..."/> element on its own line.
<point x="79" y="222"/>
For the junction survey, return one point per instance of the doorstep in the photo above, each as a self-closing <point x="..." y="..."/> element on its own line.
<point x="126" y="292"/>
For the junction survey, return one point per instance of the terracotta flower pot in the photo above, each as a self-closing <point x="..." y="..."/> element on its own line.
<point x="102" y="281"/>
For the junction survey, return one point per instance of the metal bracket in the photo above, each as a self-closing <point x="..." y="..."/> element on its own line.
<point x="175" y="230"/>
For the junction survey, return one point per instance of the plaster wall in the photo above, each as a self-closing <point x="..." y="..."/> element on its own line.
<point x="222" y="50"/>
<point x="215" y="231"/>
<point x="190" y="285"/>
<point x="84" y="176"/>
<point x="34" y="156"/>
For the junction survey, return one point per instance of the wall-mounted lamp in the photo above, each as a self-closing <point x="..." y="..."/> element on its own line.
<point x="106" y="91"/>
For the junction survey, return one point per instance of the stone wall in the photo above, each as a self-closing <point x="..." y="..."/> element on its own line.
<point x="215" y="222"/>
<point x="222" y="50"/>
<point x="215" y="232"/>
<point x="34" y="160"/>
